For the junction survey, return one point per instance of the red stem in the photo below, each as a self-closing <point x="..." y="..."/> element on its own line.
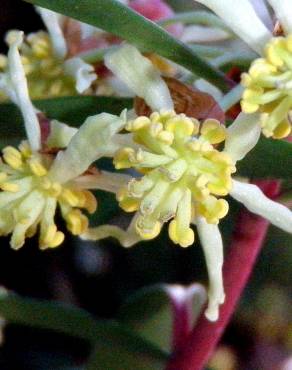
<point x="182" y="313"/>
<point x="245" y="247"/>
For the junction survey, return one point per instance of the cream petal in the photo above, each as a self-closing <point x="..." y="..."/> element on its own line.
<point x="200" y="34"/>
<point x="242" y="135"/>
<point x="212" y="245"/>
<point x="261" y="8"/>
<point x="283" y="10"/>
<point x="140" y="75"/>
<point x="103" y="180"/>
<point x="89" y="31"/>
<point x="60" y="134"/>
<point x="241" y="17"/>
<point x="93" y="140"/>
<point x="127" y="238"/>
<point x="255" y="201"/>
<point x="52" y="23"/>
<point x="20" y="90"/>
<point x="83" y="73"/>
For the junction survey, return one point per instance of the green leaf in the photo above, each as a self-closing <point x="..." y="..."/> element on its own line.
<point x="119" y="358"/>
<point x="116" y="18"/>
<point x="149" y="311"/>
<point x="269" y="159"/>
<point x="76" y="323"/>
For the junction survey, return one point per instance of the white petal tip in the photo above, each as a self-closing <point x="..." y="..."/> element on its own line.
<point x="14" y="38"/>
<point x="212" y="314"/>
<point x="82" y="72"/>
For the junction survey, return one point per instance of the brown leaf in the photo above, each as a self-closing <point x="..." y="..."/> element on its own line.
<point x="192" y="102"/>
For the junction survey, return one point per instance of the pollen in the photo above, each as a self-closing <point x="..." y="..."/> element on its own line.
<point x="182" y="175"/>
<point x="44" y="71"/>
<point x="29" y="199"/>
<point x="268" y="88"/>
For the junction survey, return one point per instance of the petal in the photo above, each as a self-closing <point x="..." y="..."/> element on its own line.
<point x="126" y="238"/>
<point x="103" y="180"/>
<point x="93" y="140"/>
<point x="241" y="17"/>
<point x="242" y="135"/>
<point x="283" y="10"/>
<point x="20" y="91"/>
<point x="52" y="23"/>
<point x="60" y="134"/>
<point x="261" y="8"/>
<point x="140" y="75"/>
<point x="202" y="34"/>
<point x="89" y="31"/>
<point x="212" y="245"/>
<point x="255" y="201"/>
<point x="82" y="72"/>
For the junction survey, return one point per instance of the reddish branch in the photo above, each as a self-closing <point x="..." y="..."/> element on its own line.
<point x="245" y="247"/>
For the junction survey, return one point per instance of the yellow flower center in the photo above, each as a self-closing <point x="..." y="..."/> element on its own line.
<point x="268" y="88"/>
<point x="44" y="71"/>
<point x="183" y="174"/>
<point x="29" y="199"/>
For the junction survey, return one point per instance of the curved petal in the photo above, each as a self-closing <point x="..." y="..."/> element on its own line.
<point x="211" y="241"/>
<point x="103" y="180"/>
<point x="140" y="75"/>
<point x="242" y="135"/>
<point x="283" y="10"/>
<point x="52" y="23"/>
<point x="241" y="17"/>
<point x="256" y="201"/>
<point x="82" y="72"/>
<point x="60" y="134"/>
<point x="127" y="238"/>
<point x="19" y="91"/>
<point x="93" y="140"/>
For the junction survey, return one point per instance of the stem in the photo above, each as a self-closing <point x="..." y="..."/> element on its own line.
<point x="245" y="247"/>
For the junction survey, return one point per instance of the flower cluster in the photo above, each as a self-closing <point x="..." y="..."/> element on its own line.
<point x="183" y="174"/>
<point x="180" y="167"/>
<point x="267" y="83"/>
<point x="48" y="70"/>
<point x="268" y="88"/>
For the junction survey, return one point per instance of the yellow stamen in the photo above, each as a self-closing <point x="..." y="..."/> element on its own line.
<point x="268" y="86"/>
<point x="184" y="174"/>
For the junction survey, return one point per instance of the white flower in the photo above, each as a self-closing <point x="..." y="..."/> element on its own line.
<point x="34" y="181"/>
<point x="183" y="172"/>
<point x="268" y="82"/>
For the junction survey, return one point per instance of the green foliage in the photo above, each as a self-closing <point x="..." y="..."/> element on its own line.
<point x="104" y="335"/>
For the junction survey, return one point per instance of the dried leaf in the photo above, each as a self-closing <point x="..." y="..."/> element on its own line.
<point x="188" y="100"/>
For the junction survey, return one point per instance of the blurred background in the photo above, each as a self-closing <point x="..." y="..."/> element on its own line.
<point x="99" y="277"/>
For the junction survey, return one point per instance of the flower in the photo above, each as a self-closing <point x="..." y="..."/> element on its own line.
<point x="48" y="71"/>
<point x="182" y="170"/>
<point x="267" y="83"/>
<point x="35" y="182"/>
